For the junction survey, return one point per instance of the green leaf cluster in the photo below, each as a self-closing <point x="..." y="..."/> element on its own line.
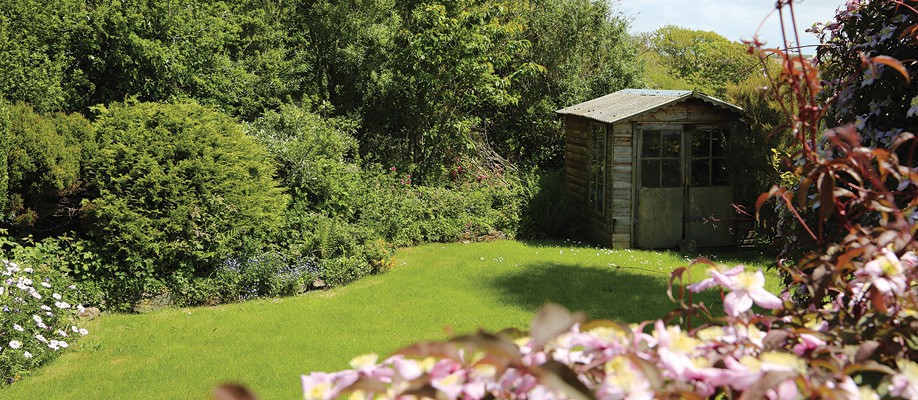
<point x="178" y="189"/>
<point x="42" y="166"/>
<point x="681" y="58"/>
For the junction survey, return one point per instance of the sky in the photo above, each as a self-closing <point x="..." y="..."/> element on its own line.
<point x="735" y="20"/>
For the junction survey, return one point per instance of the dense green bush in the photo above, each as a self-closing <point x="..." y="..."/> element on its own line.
<point x="43" y="159"/>
<point x="474" y="205"/>
<point x="313" y="156"/>
<point x="178" y="189"/>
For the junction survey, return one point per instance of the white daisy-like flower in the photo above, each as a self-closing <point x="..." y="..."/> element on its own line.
<point x="54" y="345"/>
<point x="75" y="329"/>
<point x="28" y="270"/>
<point x="27" y="281"/>
<point x="18" y="327"/>
<point x="62" y="333"/>
<point x="46" y="284"/>
<point x="83" y="332"/>
<point x="62" y="304"/>
<point x="27" y="354"/>
<point x="15" y="344"/>
<point x="71" y="287"/>
<point x="46" y="308"/>
<point x="37" y="319"/>
<point x="57" y="296"/>
<point x="41" y="338"/>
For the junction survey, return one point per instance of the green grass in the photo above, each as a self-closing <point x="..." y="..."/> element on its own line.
<point x="267" y="344"/>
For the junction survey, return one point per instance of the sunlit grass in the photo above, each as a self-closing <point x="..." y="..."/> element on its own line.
<point x="267" y="344"/>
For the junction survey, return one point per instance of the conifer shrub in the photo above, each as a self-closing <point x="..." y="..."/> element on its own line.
<point x="41" y="168"/>
<point x="177" y="189"/>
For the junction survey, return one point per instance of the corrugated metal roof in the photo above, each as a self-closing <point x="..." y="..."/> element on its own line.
<point x="628" y="103"/>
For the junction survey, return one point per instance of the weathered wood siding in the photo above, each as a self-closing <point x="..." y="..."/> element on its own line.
<point x="622" y="167"/>
<point x="595" y="226"/>
<point x="693" y="111"/>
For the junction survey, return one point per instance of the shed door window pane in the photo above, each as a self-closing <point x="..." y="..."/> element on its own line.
<point x="701" y="172"/>
<point x="717" y="143"/>
<point x="708" y="164"/>
<point x="650" y="173"/>
<point x="661" y="158"/>
<point x="672" y="143"/>
<point x="718" y="172"/>
<point x="672" y="172"/>
<point x="651" y="144"/>
<point x="700" y="144"/>
<point x="597" y="173"/>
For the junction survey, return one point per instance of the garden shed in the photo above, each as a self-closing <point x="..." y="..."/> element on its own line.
<point x="647" y="168"/>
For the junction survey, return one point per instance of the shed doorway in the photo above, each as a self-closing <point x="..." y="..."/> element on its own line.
<point x="683" y="191"/>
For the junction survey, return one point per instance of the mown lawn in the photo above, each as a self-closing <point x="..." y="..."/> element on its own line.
<point x="267" y="344"/>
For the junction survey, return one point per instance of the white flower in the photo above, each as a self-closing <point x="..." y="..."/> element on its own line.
<point x="74" y="329"/>
<point x="46" y="284"/>
<point x="71" y="287"/>
<point x="15" y="344"/>
<point x="61" y="304"/>
<point x="83" y="332"/>
<point x="57" y="296"/>
<point x="1" y="290"/>
<point x="46" y="308"/>
<point x="28" y="270"/>
<point x="27" y="354"/>
<point x="54" y="345"/>
<point x="41" y="338"/>
<point x="27" y="281"/>
<point x="37" y="319"/>
<point x="62" y="333"/>
<point x="18" y="328"/>
<point x="35" y="294"/>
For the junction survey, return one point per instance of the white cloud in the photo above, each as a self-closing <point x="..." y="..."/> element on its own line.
<point x="735" y="20"/>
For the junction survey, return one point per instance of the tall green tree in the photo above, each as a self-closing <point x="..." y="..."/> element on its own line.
<point x="584" y="52"/>
<point x="40" y="52"/>
<point x="681" y="58"/>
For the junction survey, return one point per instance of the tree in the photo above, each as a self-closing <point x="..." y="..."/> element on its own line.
<point x="584" y="52"/>
<point x="680" y="58"/>
<point x="40" y="53"/>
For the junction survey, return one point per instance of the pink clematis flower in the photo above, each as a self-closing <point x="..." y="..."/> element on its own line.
<point x="748" y="288"/>
<point x="905" y="383"/>
<point x="324" y="386"/>
<point x="885" y="273"/>
<point x="717" y="276"/>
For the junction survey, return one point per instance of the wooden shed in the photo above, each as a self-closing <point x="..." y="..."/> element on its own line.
<point x="646" y="168"/>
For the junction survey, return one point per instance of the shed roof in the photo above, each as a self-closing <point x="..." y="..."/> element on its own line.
<point x="628" y="103"/>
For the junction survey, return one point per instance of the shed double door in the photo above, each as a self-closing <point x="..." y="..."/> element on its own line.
<point x="682" y="190"/>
